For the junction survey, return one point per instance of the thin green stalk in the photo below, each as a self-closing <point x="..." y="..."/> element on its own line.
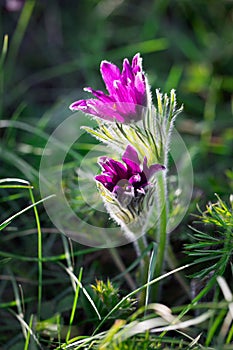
<point x="40" y="255"/>
<point x="15" y="186"/>
<point x="151" y="269"/>
<point x="27" y="341"/>
<point x="26" y="327"/>
<point x="68" y="259"/>
<point x="74" y="307"/>
<point x="4" y="51"/>
<point x="18" y="301"/>
<point x="142" y="245"/>
<point x="2" y="61"/>
<point x="230" y="335"/>
<point x="19" y="34"/>
<point x="33" y="205"/>
<point x="162" y="230"/>
<point x="72" y="275"/>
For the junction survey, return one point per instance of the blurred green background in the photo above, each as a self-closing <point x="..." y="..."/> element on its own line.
<point x="54" y="50"/>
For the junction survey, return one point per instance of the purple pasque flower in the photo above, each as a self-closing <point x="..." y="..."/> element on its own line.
<point x="127" y="181"/>
<point x="128" y="93"/>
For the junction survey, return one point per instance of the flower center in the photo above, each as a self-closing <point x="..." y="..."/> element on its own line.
<point x="124" y="184"/>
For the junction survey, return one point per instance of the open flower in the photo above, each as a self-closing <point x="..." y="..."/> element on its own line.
<point x="128" y="183"/>
<point x="128" y="93"/>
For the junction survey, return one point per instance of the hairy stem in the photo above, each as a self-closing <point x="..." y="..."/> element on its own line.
<point x="144" y="266"/>
<point x="162" y="230"/>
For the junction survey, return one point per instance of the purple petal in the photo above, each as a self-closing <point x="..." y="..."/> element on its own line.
<point x="121" y="93"/>
<point x="100" y="95"/>
<point x="102" y="160"/>
<point x="97" y="108"/>
<point x="126" y="103"/>
<point x="78" y="105"/>
<point x="116" y="168"/>
<point x="130" y="157"/>
<point x="154" y="168"/>
<point x="106" y="181"/>
<point x="127" y="73"/>
<point x="106" y="111"/>
<point x="131" y="154"/>
<point x="110" y="72"/>
<point x="140" y="87"/>
<point x="125" y="93"/>
<point x="135" y="179"/>
<point x="137" y="63"/>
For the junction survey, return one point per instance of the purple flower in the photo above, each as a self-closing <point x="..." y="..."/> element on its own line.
<point x="129" y="181"/>
<point x="128" y="93"/>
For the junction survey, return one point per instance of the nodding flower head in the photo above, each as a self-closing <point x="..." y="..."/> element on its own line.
<point x="128" y="93"/>
<point x="126" y="185"/>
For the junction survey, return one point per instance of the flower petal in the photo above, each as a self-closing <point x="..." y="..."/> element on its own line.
<point x="113" y="167"/>
<point x="78" y="105"/>
<point x="97" y="108"/>
<point x="135" y="179"/>
<point x="107" y="181"/>
<point x="128" y="90"/>
<point x="154" y="168"/>
<point x="100" y="95"/>
<point x="133" y="166"/>
<point x="110" y="72"/>
<point x="121" y="93"/>
<point x="140" y="89"/>
<point x="137" y="63"/>
<point x="125" y="93"/>
<point x="132" y="155"/>
<point x="127" y="75"/>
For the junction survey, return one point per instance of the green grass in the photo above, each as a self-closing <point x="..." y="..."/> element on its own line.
<point x="47" y="299"/>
